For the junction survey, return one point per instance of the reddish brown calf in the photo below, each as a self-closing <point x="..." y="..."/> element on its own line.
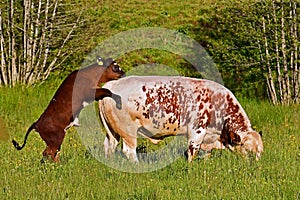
<point x="78" y="89"/>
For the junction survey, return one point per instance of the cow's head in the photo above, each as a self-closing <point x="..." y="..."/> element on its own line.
<point x="251" y="143"/>
<point x="113" y="71"/>
<point x="245" y="143"/>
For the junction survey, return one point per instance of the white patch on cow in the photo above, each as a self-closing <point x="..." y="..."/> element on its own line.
<point x="84" y="104"/>
<point x="76" y="122"/>
<point x="219" y="120"/>
<point x="198" y="137"/>
<point x="73" y="123"/>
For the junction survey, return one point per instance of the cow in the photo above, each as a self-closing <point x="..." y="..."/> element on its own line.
<point x="80" y="88"/>
<point x="156" y="107"/>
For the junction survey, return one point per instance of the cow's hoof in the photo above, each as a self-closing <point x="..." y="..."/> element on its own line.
<point x="42" y="161"/>
<point x="203" y="154"/>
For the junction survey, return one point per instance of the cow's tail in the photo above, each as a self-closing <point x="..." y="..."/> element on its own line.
<point x="16" y="144"/>
<point x="104" y="119"/>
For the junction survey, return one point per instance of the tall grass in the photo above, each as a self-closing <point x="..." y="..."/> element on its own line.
<point x="80" y="176"/>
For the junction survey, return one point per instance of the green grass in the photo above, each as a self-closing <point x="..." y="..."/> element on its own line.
<point x="81" y="176"/>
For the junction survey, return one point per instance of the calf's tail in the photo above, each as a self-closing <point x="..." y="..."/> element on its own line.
<point x="16" y="144"/>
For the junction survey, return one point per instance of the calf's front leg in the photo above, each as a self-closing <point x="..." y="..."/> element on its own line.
<point x="103" y="92"/>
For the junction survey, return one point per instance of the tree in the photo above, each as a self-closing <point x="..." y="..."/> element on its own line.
<point x="255" y="45"/>
<point x="33" y="36"/>
<point x="280" y="52"/>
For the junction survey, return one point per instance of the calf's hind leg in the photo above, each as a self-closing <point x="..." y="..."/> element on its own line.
<point x="53" y="141"/>
<point x="51" y="153"/>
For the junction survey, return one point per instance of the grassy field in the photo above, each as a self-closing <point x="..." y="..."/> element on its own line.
<point x="80" y="176"/>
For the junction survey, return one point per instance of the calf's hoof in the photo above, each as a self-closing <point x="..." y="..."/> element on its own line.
<point x="118" y="100"/>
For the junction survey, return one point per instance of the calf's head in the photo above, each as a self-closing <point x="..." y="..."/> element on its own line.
<point x="112" y="72"/>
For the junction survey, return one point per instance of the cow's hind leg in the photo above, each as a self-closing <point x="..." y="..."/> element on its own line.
<point x="110" y="144"/>
<point x="129" y="149"/>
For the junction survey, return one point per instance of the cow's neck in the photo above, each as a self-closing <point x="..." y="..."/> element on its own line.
<point x="240" y="124"/>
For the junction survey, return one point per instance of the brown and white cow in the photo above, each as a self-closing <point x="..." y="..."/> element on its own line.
<point x="78" y="89"/>
<point x="157" y="107"/>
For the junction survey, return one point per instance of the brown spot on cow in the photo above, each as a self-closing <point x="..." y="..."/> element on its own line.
<point x="201" y="106"/>
<point x="144" y="88"/>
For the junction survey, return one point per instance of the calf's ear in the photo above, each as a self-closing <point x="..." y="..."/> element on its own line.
<point x="108" y="62"/>
<point x="260" y="133"/>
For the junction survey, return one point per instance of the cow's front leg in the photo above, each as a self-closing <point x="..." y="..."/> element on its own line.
<point x="193" y="150"/>
<point x="195" y="139"/>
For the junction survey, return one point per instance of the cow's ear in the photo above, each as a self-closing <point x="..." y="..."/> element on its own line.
<point x="260" y="133"/>
<point x="99" y="60"/>
<point x="235" y="138"/>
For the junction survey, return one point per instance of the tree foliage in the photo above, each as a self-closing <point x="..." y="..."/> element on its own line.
<point x="279" y="54"/>
<point x="33" y="35"/>
<point x="256" y="46"/>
